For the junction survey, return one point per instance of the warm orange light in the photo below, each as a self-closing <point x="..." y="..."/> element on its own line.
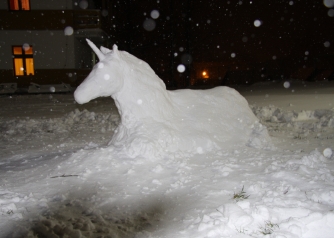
<point x="28" y="51"/>
<point x="30" y="66"/>
<point x="19" y="4"/>
<point x="18" y="64"/>
<point x="23" y="61"/>
<point x="205" y="74"/>
<point x="25" y="5"/>
<point x="14" y="5"/>
<point x="17" y="50"/>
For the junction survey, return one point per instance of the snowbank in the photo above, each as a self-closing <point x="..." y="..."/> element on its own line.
<point x="75" y="187"/>
<point x="69" y="132"/>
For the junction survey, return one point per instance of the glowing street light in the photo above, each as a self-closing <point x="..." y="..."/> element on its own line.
<point x="205" y="74"/>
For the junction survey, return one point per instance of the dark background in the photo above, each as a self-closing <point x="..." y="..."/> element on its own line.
<point x="291" y="37"/>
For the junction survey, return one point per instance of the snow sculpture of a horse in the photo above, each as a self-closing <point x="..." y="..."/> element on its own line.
<point x="157" y="122"/>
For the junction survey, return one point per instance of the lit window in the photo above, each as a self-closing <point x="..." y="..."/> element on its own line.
<point x="19" y="5"/>
<point x="23" y="60"/>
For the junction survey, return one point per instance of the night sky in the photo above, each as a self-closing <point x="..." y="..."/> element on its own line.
<point x="292" y="34"/>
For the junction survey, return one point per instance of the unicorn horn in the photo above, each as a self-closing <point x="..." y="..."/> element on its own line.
<point x="96" y="50"/>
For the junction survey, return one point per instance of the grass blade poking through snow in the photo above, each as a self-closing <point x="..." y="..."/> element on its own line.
<point x="268" y="228"/>
<point x="240" y="195"/>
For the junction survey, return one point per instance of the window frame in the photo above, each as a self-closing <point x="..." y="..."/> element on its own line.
<point x="10" y="2"/>
<point x="23" y="56"/>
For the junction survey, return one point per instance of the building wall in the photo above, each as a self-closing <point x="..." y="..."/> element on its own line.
<point x="57" y="58"/>
<point x="54" y="4"/>
<point x="51" y="4"/>
<point x="83" y="54"/>
<point x="45" y="4"/>
<point x="3" y="4"/>
<point x="52" y="49"/>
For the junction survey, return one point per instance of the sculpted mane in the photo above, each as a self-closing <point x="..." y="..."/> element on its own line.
<point x="141" y="74"/>
<point x="142" y="91"/>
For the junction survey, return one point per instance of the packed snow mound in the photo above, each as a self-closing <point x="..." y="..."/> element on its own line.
<point x="271" y="113"/>
<point x="76" y="188"/>
<point x="69" y="132"/>
<point x="24" y="129"/>
<point x="156" y="122"/>
<point x="285" y="195"/>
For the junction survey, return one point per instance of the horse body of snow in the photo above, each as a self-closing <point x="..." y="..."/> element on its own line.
<point x="156" y="122"/>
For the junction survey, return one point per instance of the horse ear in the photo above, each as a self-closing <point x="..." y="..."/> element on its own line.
<point x="115" y="50"/>
<point x="105" y="50"/>
<point x="96" y="50"/>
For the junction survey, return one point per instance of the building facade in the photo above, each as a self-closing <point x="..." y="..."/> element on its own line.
<point x="43" y="42"/>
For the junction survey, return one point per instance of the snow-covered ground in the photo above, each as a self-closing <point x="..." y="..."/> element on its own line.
<point x="58" y="179"/>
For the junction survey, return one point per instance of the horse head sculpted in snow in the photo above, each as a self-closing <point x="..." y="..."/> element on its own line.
<point x="157" y="122"/>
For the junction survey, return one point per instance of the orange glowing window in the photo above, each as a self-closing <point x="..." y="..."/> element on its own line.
<point x="18" y="67"/>
<point x="19" y="5"/>
<point x="23" y="60"/>
<point x="17" y="50"/>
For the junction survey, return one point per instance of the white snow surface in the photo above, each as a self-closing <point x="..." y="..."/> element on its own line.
<point x="58" y="178"/>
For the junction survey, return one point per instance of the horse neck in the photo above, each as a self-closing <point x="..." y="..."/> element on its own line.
<point x="140" y="100"/>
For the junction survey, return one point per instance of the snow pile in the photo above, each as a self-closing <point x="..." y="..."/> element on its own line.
<point x="300" y="125"/>
<point x="325" y="118"/>
<point x="158" y="123"/>
<point x="74" y="128"/>
<point x="292" y="209"/>
<point x="74" y="121"/>
<point x="92" y="194"/>
<point x="80" y="188"/>
<point x="58" y="179"/>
